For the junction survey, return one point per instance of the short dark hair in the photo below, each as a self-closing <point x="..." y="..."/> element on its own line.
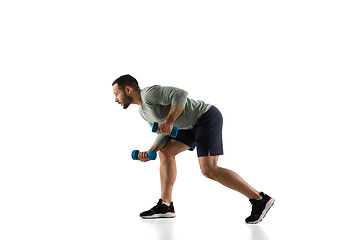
<point x="126" y="80"/>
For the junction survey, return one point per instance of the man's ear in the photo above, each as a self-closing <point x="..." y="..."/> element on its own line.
<point x="128" y="90"/>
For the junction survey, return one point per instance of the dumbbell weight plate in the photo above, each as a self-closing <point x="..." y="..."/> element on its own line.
<point x="154" y="127"/>
<point x="135" y="154"/>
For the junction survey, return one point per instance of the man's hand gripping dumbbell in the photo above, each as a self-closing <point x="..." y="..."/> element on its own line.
<point x="164" y="129"/>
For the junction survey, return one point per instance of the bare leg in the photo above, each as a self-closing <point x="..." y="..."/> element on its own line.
<point x="226" y="177"/>
<point x="168" y="167"/>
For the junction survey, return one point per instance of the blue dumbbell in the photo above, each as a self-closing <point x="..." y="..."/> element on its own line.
<point x="174" y="131"/>
<point x="151" y="154"/>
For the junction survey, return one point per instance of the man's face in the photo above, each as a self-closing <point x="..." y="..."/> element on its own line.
<point x="121" y="97"/>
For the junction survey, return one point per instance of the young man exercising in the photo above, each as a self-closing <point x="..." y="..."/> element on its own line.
<point x="200" y="126"/>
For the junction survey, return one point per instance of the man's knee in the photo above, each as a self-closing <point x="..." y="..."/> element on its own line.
<point x="208" y="166"/>
<point x="209" y="172"/>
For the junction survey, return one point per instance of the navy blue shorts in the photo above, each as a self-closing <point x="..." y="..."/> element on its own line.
<point x="206" y="135"/>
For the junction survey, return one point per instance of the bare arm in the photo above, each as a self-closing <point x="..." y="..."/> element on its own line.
<point x="165" y="127"/>
<point x="143" y="157"/>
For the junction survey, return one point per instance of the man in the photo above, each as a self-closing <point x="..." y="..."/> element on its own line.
<point x="200" y="126"/>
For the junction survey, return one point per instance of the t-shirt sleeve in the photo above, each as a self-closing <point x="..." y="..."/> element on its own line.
<point x="162" y="139"/>
<point x="166" y="96"/>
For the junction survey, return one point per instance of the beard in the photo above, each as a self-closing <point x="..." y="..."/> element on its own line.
<point x="127" y="101"/>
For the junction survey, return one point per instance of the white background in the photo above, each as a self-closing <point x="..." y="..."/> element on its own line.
<point x="285" y="75"/>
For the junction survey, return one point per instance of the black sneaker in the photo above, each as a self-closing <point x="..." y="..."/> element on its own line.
<point x="259" y="208"/>
<point x="159" y="211"/>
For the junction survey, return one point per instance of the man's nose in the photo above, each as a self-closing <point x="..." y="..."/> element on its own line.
<point x="116" y="99"/>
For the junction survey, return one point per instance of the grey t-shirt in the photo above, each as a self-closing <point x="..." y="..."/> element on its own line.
<point x="157" y="101"/>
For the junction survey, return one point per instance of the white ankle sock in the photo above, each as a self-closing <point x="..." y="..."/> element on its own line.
<point x="167" y="204"/>
<point x="259" y="199"/>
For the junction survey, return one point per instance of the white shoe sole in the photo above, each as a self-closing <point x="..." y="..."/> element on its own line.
<point x="160" y="215"/>
<point x="263" y="214"/>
